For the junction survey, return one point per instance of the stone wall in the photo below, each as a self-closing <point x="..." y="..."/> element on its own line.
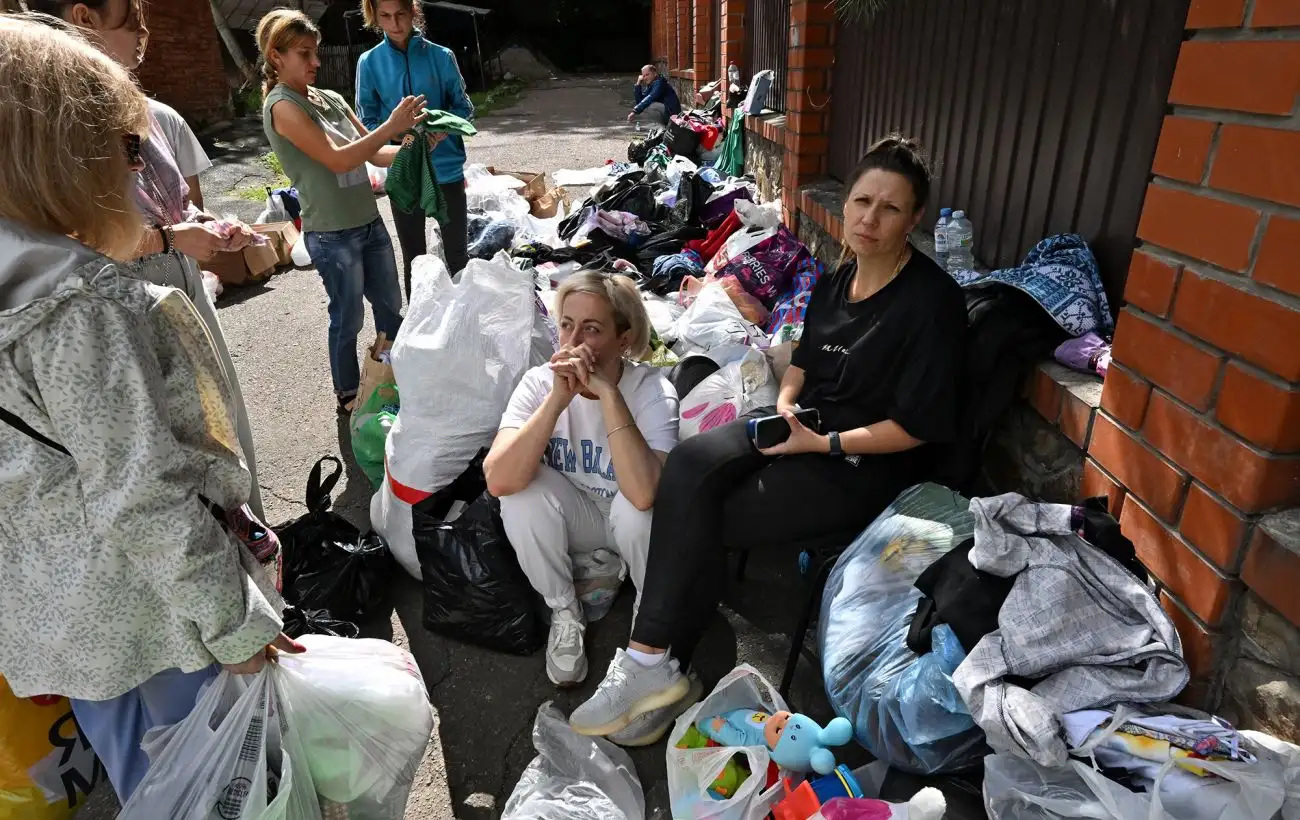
<point x="765" y="154"/>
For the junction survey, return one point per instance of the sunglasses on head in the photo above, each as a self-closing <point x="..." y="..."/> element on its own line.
<point x="131" y="144"/>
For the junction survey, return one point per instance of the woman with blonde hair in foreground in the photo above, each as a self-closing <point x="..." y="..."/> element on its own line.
<point x="577" y="460"/>
<point x="118" y="586"/>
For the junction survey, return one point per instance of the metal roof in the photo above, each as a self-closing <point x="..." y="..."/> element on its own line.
<point x="244" y="14"/>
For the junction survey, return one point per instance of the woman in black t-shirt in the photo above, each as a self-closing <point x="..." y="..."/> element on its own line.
<point x="880" y="359"/>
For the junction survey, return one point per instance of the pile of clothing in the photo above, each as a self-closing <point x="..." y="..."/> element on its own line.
<point x="721" y="276"/>
<point x="952" y="629"/>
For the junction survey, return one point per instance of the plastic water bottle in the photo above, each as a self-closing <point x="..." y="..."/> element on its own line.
<point x="941" y="238"/>
<point x="961" y="242"/>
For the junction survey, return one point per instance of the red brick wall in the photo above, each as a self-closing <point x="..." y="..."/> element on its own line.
<point x="183" y="66"/>
<point x="1199" y="429"/>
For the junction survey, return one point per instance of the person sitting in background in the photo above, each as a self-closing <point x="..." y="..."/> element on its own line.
<point x="655" y="98"/>
<point x="881" y="361"/>
<point x="119" y="589"/>
<point x="576" y="463"/>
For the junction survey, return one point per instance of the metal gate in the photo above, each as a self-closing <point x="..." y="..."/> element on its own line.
<point x="768" y="29"/>
<point x="1041" y="117"/>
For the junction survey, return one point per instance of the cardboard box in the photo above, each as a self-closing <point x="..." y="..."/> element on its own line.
<point x="548" y="204"/>
<point x="283" y="236"/>
<point x="229" y="267"/>
<point x="535" y="185"/>
<point x="261" y="260"/>
<point x="256" y="262"/>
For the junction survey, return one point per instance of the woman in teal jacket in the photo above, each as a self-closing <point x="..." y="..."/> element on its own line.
<point x="407" y="64"/>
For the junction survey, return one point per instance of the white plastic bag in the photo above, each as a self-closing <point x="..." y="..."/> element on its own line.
<point x="212" y="286"/>
<point x="736" y="244"/>
<point x="1289" y="756"/>
<point x="342" y="726"/>
<point x="736" y="389"/>
<point x="273" y="212"/>
<point x="574" y="777"/>
<point x="234" y="757"/>
<point x="362" y="714"/>
<point x="691" y="771"/>
<point x="301" y="256"/>
<point x="1018" y="789"/>
<point x="753" y="215"/>
<point x="378" y="177"/>
<point x="459" y="356"/>
<point x="663" y="314"/>
<point x="711" y="321"/>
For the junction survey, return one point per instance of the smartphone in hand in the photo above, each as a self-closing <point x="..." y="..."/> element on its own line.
<point x="770" y="431"/>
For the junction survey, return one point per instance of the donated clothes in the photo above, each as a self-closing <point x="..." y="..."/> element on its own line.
<point x="1075" y="617"/>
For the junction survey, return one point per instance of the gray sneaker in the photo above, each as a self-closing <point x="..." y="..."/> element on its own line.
<point x="628" y="691"/>
<point x="653" y="725"/>
<point x="566" y="656"/>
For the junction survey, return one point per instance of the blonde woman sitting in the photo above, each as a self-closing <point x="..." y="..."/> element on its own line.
<point x="576" y="463"/>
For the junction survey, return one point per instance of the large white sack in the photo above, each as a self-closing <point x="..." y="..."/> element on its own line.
<point x="462" y="350"/>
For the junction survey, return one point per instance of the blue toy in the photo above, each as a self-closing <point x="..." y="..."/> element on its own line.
<point x="798" y="743"/>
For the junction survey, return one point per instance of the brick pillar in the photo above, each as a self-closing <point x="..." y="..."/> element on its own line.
<point x="683" y="34"/>
<point x="808" y="91"/>
<point x="1199" y="432"/>
<point x="706" y="43"/>
<point x="183" y="65"/>
<point x="731" y="40"/>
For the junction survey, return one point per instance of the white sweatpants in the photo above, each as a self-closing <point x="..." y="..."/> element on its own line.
<point x="552" y="518"/>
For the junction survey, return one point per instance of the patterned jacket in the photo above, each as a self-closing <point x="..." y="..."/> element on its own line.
<point x="111" y="567"/>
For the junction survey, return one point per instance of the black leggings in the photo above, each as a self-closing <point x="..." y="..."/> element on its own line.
<point x="718" y="494"/>
<point x="411" y="237"/>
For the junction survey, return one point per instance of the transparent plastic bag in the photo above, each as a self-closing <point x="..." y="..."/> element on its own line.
<point x="597" y="577"/>
<point x="909" y="716"/>
<point x="234" y="757"/>
<point x="574" y="777"/>
<point x="692" y="771"/>
<point x="1019" y="789"/>
<point x="711" y="321"/>
<point x="362" y="713"/>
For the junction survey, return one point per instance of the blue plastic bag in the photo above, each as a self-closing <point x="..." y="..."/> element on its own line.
<point x="904" y="709"/>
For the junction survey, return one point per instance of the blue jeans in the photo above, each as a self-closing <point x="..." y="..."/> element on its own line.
<point x="353" y="263"/>
<point x="115" y="728"/>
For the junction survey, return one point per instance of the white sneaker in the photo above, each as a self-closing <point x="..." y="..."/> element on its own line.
<point x="653" y="725"/>
<point x="566" y="655"/>
<point x="628" y="691"/>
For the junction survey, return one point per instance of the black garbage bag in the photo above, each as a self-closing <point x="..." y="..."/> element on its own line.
<point x="299" y="622"/>
<point x="638" y="151"/>
<point x="474" y="590"/>
<point x="328" y="563"/>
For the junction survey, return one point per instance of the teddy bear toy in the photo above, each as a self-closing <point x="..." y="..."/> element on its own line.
<point x="797" y="742"/>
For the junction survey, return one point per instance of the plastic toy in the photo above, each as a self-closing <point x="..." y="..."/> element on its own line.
<point x="798" y="742"/>
<point x="733" y="775"/>
<point x="807" y="798"/>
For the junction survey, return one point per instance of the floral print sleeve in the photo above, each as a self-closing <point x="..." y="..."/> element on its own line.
<point x="140" y="403"/>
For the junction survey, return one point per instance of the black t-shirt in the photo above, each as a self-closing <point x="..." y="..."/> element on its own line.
<point x="896" y="355"/>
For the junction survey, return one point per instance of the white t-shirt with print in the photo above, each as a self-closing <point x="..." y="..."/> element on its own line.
<point x="579" y="446"/>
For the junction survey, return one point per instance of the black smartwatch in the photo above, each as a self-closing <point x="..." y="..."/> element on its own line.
<point x="837" y="449"/>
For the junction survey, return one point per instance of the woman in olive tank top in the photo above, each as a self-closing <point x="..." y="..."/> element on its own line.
<point x="324" y="148"/>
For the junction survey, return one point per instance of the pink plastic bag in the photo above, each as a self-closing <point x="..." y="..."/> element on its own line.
<point x="767" y="269"/>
